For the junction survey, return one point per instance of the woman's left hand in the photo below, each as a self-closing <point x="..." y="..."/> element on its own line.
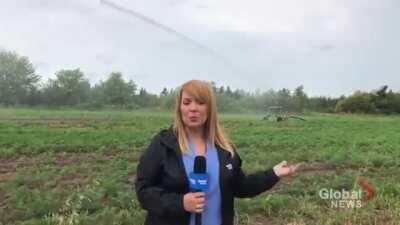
<point x="283" y="169"/>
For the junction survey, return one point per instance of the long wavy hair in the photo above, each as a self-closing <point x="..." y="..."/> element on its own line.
<point x="214" y="133"/>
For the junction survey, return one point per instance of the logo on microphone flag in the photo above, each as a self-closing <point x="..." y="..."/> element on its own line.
<point x="198" y="181"/>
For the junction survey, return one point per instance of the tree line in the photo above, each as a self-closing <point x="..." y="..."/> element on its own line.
<point x="20" y="85"/>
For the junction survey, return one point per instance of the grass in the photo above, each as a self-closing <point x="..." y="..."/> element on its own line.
<point x="78" y="167"/>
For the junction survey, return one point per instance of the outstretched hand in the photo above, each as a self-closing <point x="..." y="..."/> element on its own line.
<point x="284" y="169"/>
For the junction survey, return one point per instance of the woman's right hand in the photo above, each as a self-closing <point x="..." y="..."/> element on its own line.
<point x="194" y="202"/>
<point x="284" y="169"/>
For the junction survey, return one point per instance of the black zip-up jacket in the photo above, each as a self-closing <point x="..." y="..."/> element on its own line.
<point x="161" y="182"/>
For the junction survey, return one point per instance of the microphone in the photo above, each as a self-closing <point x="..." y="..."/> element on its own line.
<point x="200" y="164"/>
<point x="198" y="180"/>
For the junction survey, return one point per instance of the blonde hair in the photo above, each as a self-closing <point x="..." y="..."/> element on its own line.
<point x="203" y="92"/>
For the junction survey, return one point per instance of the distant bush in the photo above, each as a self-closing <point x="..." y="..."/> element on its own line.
<point x="358" y="103"/>
<point x="379" y="101"/>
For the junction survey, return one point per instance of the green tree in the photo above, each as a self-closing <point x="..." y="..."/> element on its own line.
<point x="221" y="90"/>
<point x="396" y="102"/>
<point x="164" y="92"/>
<point x="145" y="99"/>
<point x="116" y="91"/>
<point x="382" y="100"/>
<point x="284" y="99"/>
<point x="228" y="91"/>
<point x="359" y="102"/>
<point x="322" y="104"/>
<point x="69" y="88"/>
<point x="300" y="99"/>
<point x="17" y="78"/>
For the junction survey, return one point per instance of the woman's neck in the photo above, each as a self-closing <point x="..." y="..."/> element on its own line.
<point x="196" y="133"/>
<point x="198" y="140"/>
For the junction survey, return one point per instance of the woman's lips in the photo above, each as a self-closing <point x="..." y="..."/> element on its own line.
<point x="193" y="118"/>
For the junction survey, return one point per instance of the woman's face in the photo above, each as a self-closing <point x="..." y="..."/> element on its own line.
<point x="194" y="113"/>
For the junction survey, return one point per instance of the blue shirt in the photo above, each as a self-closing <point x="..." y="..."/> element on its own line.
<point x="212" y="208"/>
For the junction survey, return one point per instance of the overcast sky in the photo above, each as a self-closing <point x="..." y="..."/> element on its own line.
<point x="332" y="47"/>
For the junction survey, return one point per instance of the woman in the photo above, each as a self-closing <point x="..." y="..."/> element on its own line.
<point x="162" y="183"/>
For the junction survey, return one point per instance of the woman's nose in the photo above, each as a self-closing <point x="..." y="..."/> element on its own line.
<point x="193" y="106"/>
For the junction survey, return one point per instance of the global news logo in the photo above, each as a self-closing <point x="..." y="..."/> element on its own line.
<point x="348" y="198"/>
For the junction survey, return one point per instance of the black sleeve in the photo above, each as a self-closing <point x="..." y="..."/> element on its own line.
<point x="151" y="197"/>
<point x="246" y="186"/>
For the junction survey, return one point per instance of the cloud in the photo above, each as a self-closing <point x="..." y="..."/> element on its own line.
<point x="328" y="46"/>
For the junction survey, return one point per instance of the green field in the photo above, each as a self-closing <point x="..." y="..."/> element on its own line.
<point x="78" y="167"/>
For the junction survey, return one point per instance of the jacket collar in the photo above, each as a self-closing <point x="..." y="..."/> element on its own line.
<point x="168" y="138"/>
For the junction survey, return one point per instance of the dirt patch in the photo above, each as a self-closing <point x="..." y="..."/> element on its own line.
<point x="3" y="198"/>
<point x="131" y="179"/>
<point x="72" y="179"/>
<point x="32" y="120"/>
<point x="66" y="159"/>
<point x="9" y="165"/>
<point x="318" y="170"/>
<point x="316" y="166"/>
<point x="6" y="176"/>
<point x="261" y="220"/>
<point x="60" y="123"/>
<point x="322" y="169"/>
